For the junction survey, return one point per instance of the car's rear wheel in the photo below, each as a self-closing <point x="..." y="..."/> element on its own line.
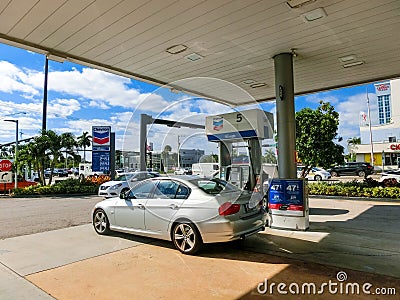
<point x="186" y="238"/>
<point x="361" y="173"/>
<point x="100" y="222"/>
<point x="334" y="174"/>
<point x="318" y="177"/>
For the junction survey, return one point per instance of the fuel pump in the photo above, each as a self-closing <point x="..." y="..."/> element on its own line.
<point x="287" y="197"/>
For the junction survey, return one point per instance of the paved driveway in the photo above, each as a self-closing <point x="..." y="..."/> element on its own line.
<point x="359" y="239"/>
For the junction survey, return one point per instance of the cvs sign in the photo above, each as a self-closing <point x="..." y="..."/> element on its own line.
<point x="394" y="147"/>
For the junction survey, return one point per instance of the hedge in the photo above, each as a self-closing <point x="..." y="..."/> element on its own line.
<point x="368" y="188"/>
<point x="66" y="187"/>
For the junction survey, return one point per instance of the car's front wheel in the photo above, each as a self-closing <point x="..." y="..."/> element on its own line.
<point x="334" y="174"/>
<point x="361" y="173"/>
<point x="100" y="222"/>
<point x="186" y="238"/>
<point x="318" y="177"/>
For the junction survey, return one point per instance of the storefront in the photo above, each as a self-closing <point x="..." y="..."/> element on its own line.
<point x="386" y="153"/>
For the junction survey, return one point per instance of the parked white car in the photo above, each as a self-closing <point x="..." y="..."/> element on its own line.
<point x="124" y="183"/>
<point x="315" y="173"/>
<point x="188" y="211"/>
<point x="180" y="171"/>
<point x="390" y="174"/>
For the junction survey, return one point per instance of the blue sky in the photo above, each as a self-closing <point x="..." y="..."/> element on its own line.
<point x="79" y="97"/>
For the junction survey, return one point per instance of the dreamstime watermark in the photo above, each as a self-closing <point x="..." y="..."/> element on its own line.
<point x="334" y="287"/>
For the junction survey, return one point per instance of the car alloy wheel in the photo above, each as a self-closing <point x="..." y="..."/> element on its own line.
<point x="186" y="238"/>
<point x="361" y="173"/>
<point x="334" y="174"/>
<point x="318" y="177"/>
<point x="100" y="222"/>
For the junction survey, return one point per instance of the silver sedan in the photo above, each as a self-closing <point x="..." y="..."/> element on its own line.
<point x="186" y="210"/>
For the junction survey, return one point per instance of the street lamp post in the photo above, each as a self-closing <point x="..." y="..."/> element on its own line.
<point x="16" y="151"/>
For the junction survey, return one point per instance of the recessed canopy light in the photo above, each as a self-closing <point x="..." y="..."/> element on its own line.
<point x="298" y="3"/>
<point x="353" y="64"/>
<point x="314" y="15"/>
<point x="347" y="58"/>
<point x="257" y="85"/>
<point x="176" y="49"/>
<point x="248" y="81"/>
<point x="194" y="57"/>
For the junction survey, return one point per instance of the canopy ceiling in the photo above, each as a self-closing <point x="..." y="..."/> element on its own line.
<point x="233" y="41"/>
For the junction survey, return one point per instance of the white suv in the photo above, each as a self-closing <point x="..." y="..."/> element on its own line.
<point x="124" y="183"/>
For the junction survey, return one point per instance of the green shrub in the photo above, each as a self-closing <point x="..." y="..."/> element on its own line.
<point x="64" y="187"/>
<point x="356" y="189"/>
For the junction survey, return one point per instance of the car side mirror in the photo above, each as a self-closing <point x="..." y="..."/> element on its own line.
<point x="126" y="196"/>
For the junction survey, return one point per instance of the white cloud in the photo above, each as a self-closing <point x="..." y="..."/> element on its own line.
<point x="102" y="88"/>
<point x="98" y="104"/>
<point x="349" y="113"/>
<point x="324" y="96"/>
<point x="13" y="79"/>
<point x="62" y="108"/>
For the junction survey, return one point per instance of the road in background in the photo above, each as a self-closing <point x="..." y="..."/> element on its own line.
<point x="22" y="216"/>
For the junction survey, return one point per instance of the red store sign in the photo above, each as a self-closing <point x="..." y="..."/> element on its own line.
<point x="382" y="87"/>
<point x="395" y="147"/>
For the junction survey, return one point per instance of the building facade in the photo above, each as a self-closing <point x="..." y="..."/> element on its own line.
<point x="385" y="128"/>
<point x="188" y="157"/>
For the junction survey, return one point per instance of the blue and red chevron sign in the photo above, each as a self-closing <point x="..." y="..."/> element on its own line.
<point x="101" y="135"/>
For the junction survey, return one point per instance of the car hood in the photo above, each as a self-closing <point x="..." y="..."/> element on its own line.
<point x="111" y="183"/>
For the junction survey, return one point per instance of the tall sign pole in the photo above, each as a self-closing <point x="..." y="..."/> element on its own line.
<point x="370" y="130"/>
<point x="46" y="74"/>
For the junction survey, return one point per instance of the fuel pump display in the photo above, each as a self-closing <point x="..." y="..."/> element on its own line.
<point x="288" y="205"/>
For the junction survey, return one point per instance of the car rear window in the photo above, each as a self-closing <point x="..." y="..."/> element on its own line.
<point x="214" y="186"/>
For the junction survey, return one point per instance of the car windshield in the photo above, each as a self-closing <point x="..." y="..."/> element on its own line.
<point x="214" y="186"/>
<point x="124" y="177"/>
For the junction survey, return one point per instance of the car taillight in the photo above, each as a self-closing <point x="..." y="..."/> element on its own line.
<point x="228" y="208"/>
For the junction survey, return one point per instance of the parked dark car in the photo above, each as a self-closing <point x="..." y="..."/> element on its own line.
<point x="61" y="172"/>
<point x="361" y="169"/>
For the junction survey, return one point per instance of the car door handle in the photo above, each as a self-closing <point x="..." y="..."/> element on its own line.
<point x="173" y="206"/>
<point x="141" y="206"/>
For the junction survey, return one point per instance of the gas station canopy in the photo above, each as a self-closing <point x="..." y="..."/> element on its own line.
<point x="336" y="43"/>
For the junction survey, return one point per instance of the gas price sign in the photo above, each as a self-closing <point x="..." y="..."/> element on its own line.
<point x="287" y="195"/>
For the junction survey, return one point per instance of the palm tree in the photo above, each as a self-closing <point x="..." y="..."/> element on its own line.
<point x="269" y="157"/>
<point x="35" y="154"/>
<point x="3" y="152"/>
<point x="84" y="141"/>
<point x="68" y="142"/>
<point x="54" y="143"/>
